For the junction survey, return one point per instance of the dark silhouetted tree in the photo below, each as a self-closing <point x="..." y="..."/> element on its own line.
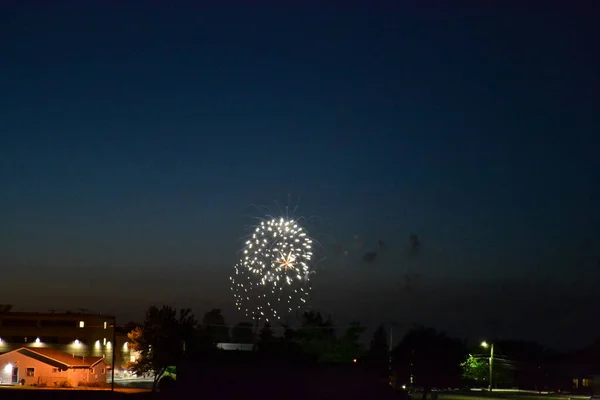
<point x="160" y="340"/>
<point x="431" y="358"/>
<point x="5" y="308"/>
<point x="243" y="333"/>
<point x="316" y="337"/>
<point x="266" y="334"/>
<point x="348" y="346"/>
<point x="213" y="324"/>
<point x="377" y="357"/>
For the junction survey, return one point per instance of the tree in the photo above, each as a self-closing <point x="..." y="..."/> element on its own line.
<point x="316" y="337"/>
<point x="5" y="308"/>
<point x="428" y="359"/>
<point x="377" y="356"/>
<point x="475" y="370"/>
<point x="213" y="323"/>
<point x="131" y="325"/>
<point x="266" y="334"/>
<point x="160" y="340"/>
<point x="348" y="345"/>
<point x="243" y="333"/>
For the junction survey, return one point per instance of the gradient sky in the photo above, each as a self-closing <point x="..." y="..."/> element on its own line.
<point x="138" y="143"/>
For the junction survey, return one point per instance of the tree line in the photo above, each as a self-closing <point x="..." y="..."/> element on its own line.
<point x="424" y="357"/>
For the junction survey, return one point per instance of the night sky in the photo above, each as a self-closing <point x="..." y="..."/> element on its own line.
<point x="138" y="143"/>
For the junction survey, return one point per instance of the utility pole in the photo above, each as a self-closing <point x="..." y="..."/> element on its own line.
<point x="390" y="349"/>
<point x="491" y="365"/>
<point x="114" y="346"/>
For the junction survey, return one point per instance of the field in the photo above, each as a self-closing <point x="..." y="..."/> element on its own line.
<point x="505" y="396"/>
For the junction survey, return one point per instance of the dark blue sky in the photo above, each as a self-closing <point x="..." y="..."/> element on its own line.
<point x="136" y="144"/>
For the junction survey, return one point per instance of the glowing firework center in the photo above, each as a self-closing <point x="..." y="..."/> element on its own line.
<point x="273" y="278"/>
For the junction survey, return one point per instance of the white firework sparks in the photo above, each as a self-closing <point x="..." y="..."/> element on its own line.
<point x="273" y="277"/>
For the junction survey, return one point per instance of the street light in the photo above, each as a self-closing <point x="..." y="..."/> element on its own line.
<point x="485" y="344"/>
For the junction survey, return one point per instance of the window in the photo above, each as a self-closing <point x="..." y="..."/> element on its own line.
<point x="81" y="324"/>
<point x="104" y="324"/>
<point x="104" y="341"/>
<point x="91" y="370"/>
<point x="30" y="372"/>
<point x="586" y="382"/>
<point x="132" y="359"/>
<point x="103" y="371"/>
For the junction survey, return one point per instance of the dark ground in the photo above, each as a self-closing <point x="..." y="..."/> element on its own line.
<point x="25" y="394"/>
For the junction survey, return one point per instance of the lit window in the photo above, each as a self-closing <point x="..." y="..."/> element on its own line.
<point x="132" y="359"/>
<point x="104" y="324"/>
<point x="30" y="372"/>
<point x="104" y="341"/>
<point x="586" y="382"/>
<point x="81" y="324"/>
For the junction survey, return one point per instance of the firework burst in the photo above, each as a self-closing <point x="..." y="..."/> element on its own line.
<point x="273" y="277"/>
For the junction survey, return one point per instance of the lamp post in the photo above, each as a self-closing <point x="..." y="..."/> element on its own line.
<point x="484" y="344"/>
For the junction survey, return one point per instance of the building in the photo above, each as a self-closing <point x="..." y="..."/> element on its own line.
<point x="45" y="367"/>
<point x="78" y="334"/>
<point x="235" y="346"/>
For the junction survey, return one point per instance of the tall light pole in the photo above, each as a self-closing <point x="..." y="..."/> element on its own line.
<point x="390" y="350"/>
<point x="114" y="346"/>
<point x="491" y="346"/>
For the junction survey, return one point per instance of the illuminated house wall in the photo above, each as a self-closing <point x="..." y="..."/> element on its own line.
<point x="77" y="334"/>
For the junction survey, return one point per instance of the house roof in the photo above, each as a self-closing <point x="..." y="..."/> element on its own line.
<point x="59" y="359"/>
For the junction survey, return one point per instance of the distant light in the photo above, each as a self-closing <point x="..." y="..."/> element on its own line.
<point x="104" y="341"/>
<point x="403" y="387"/>
<point x="354" y="361"/>
<point x="97" y="344"/>
<point x="125" y="346"/>
<point x="0" y="340"/>
<point x="38" y="341"/>
<point x="104" y="324"/>
<point x="8" y="368"/>
<point x="484" y="344"/>
<point x="81" y="324"/>
<point x="76" y="342"/>
<point x="108" y="344"/>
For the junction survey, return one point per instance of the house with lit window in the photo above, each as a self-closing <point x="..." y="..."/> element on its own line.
<point x="44" y="367"/>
